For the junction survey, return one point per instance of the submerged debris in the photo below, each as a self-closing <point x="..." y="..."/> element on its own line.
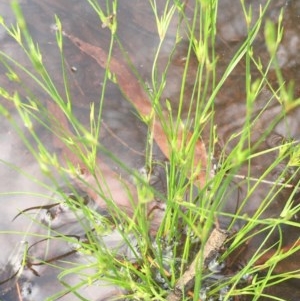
<point x="12" y="270"/>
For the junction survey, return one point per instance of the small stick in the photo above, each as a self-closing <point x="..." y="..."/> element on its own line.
<point x="273" y="183"/>
<point x="213" y="244"/>
<point x="19" y="291"/>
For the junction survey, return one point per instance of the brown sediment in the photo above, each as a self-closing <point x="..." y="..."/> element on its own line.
<point x="288" y="263"/>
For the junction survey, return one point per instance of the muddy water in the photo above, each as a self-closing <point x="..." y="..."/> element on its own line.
<point x="123" y="134"/>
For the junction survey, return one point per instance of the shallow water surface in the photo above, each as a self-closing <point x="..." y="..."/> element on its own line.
<point x="24" y="185"/>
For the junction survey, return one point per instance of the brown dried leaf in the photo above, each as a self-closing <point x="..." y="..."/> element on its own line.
<point x="134" y="93"/>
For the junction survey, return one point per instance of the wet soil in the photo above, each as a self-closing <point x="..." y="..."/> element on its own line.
<point x="124" y="135"/>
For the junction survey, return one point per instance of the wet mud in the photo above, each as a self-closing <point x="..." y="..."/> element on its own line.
<point x="125" y="136"/>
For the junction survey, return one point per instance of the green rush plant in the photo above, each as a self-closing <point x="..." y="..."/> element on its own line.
<point x="157" y="261"/>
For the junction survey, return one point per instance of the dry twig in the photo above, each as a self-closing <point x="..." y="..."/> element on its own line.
<point x="213" y="245"/>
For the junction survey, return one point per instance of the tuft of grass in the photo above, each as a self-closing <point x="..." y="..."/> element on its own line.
<point x="147" y="264"/>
